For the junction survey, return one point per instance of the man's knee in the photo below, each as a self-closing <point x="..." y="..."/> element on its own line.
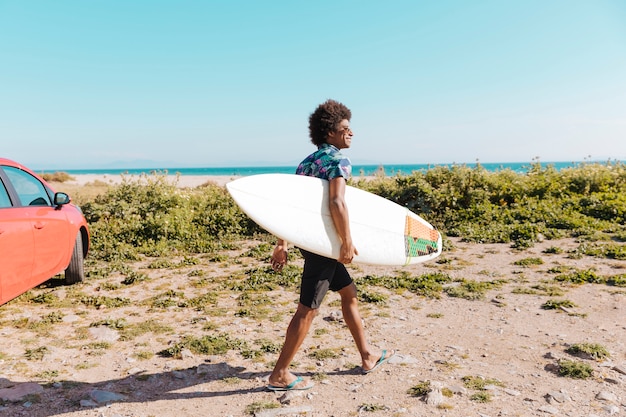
<point x="306" y="312"/>
<point x="347" y="292"/>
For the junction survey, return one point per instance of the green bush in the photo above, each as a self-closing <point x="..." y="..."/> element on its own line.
<point x="510" y="207"/>
<point x="153" y="217"/>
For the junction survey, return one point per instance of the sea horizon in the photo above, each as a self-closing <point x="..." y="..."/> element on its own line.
<point x="357" y="170"/>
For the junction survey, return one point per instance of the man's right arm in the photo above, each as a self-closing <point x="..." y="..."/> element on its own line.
<point x="341" y="220"/>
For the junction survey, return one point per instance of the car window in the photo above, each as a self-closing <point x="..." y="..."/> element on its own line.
<point x="30" y="190"/>
<point x="5" y="201"/>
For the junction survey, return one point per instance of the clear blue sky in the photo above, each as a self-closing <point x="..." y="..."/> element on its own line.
<point x="232" y="83"/>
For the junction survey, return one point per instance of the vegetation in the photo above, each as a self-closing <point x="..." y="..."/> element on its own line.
<point x="575" y="369"/>
<point x="591" y="350"/>
<point x="56" y="176"/>
<point x="152" y="217"/>
<point x="517" y="208"/>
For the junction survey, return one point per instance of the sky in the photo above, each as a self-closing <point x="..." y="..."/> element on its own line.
<point x="231" y="83"/>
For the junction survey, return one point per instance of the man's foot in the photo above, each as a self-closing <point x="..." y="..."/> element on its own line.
<point x="384" y="357"/>
<point x="298" y="384"/>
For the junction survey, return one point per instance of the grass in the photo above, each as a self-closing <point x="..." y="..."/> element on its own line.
<point x="557" y="304"/>
<point x="36" y="354"/>
<point x="591" y="350"/>
<point x="420" y="389"/>
<point x="323" y="354"/>
<point x="574" y="369"/>
<point x="205" y="345"/>
<point x="258" y="406"/>
<point x="479" y="383"/>
<point x="473" y="290"/>
<point x="527" y="262"/>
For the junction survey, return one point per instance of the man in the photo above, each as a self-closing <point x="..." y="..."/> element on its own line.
<point x="329" y="130"/>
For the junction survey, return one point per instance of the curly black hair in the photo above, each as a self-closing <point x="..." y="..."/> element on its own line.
<point x="325" y="119"/>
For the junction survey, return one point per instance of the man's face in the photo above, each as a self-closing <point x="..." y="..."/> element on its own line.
<point x="342" y="137"/>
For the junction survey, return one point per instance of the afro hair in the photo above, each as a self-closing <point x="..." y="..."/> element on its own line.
<point x="325" y="119"/>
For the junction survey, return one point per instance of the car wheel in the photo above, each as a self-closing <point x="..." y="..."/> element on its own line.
<point x="75" y="271"/>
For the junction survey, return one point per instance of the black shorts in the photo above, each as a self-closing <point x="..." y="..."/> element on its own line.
<point x="320" y="275"/>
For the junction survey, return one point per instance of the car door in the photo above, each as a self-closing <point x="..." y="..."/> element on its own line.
<point x="16" y="247"/>
<point x="49" y="225"/>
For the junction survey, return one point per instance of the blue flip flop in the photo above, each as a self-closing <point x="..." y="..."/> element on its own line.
<point x="290" y="387"/>
<point x="383" y="358"/>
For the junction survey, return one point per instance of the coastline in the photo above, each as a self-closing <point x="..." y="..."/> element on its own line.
<point x="181" y="181"/>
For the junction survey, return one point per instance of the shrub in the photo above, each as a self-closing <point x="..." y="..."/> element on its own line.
<point x="592" y="350"/>
<point x="151" y="216"/>
<point x="574" y="369"/>
<point x="510" y="207"/>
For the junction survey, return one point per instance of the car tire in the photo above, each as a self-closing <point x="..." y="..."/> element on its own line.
<point x="75" y="271"/>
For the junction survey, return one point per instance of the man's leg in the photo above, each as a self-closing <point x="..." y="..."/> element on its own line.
<point x="352" y="317"/>
<point x="296" y="332"/>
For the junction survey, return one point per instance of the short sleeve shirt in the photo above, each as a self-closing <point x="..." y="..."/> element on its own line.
<point x="326" y="163"/>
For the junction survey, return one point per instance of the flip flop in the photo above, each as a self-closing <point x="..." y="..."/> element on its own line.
<point x="383" y="358"/>
<point x="290" y="387"/>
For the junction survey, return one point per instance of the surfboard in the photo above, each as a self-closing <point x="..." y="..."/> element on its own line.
<point x="295" y="208"/>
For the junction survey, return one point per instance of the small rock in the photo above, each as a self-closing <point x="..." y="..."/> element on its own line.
<point x="559" y="397"/>
<point x="458" y="389"/>
<point x="88" y="403"/>
<point x="203" y="369"/>
<point x="104" y="334"/>
<point x="611" y="409"/>
<point x="178" y="374"/>
<point x="70" y="318"/>
<point x="435" y="397"/>
<point x="548" y="409"/>
<point x="621" y="369"/>
<point x="20" y="391"/>
<point x="186" y="354"/>
<point x="335" y="316"/>
<point x="135" y="371"/>
<point x="606" y="396"/>
<point x="102" y="397"/>
<point x="402" y="360"/>
<point x="512" y="392"/>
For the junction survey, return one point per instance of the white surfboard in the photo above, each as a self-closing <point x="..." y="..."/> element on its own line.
<point x="295" y="208"/>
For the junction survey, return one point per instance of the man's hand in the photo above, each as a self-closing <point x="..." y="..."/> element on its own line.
<point x="347" y="253"/>
<point x="279" y="256"/>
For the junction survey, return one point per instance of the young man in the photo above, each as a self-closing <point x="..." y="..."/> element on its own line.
<point x="329" y="129"/>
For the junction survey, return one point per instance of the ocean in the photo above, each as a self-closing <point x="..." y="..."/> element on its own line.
<point x="357" y="170"/>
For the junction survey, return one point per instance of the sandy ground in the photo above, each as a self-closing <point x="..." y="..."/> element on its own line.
<point x="87" y="369"/>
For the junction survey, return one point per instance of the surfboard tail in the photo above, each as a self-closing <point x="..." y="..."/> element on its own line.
<point x="419" y="239"/>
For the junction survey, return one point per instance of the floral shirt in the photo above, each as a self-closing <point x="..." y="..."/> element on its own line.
<point x="326" y="163"/>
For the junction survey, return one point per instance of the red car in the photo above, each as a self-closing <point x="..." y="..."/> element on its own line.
<point x="41" y="232"/>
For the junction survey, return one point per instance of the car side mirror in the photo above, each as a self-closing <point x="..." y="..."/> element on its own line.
<point x="61" y="199"/>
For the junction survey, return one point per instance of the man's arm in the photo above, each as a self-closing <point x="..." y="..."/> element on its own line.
<point x="341" y="220"/>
